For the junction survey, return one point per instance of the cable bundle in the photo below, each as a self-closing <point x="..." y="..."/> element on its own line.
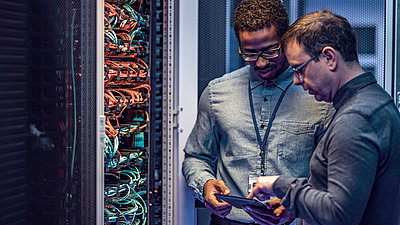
<point x="124" y="201"/>
<point x="124" y="30"/>
<point x="115" y="71"/>
<point x="126" y="102"/>
<point x="122" y="97"/>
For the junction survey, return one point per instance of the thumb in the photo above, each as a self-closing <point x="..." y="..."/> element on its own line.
<point x="251" y="194"/>
<point x="275" y="202"/>
<point x="224" y="189"/>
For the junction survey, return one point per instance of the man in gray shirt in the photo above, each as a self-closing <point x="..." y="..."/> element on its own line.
<point x="252" y="121"/>
<point x="355" y="169"/>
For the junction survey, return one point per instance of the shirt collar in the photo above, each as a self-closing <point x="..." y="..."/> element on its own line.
<point x="281" y="81"/>
<point x="351" y="88"/>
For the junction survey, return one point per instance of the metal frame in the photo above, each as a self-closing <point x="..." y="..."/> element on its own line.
<point x="169" y="126"/>
<point x="227" y="36"/>
<point x="100" y="128"/>
<point x="188" y="94"/>
<point x="396" y="76"/>
<point x="390" y="67"/>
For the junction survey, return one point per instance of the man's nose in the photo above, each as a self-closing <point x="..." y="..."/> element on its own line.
<point x="297" y="80"/>
<point x="261" y="62"/>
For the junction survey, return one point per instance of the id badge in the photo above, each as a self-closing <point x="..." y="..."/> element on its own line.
<point x="252" y="181"/>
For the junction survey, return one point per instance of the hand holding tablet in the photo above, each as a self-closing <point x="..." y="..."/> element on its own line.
<point x="239" y="202"/>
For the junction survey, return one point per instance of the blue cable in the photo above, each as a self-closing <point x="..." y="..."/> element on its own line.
<point x="74" y="92"/>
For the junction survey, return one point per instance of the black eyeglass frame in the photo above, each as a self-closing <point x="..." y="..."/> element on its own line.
<point x="297" y="70"/>
<point x="245" y="58"/>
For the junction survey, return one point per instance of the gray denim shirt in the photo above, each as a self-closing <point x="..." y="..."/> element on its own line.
<point x="223" y="143"/>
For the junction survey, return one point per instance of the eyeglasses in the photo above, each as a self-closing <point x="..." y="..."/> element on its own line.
<point x="297" y="70"/>
<point x="267" y="54"/>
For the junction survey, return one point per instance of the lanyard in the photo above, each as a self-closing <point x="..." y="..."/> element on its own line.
<point x="262" y="143"/>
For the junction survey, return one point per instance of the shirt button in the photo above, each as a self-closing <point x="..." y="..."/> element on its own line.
<point x="262" y="126"/>
<point x="265" y="99"/>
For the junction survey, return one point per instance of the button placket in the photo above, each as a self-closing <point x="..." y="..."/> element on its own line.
<point x="265" y="105"/>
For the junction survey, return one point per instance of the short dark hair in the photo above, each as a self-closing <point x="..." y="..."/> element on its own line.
<point x="323" y="28"/>
<point x="254" y="15"/>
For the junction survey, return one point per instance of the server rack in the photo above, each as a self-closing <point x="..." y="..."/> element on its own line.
<point x="127" y="111"/>
<point x="54" y="113"/>
<point x="134" y="97"/>
<point x="134" y="67"/>
<point x="50" y="84"/>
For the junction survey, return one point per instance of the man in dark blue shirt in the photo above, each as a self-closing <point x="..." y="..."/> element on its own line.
<point x="355" y="169"/>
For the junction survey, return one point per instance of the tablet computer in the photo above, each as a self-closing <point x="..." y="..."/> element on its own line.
<point x="239" y="202"/>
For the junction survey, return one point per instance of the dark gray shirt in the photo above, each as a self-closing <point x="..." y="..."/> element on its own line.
<point x="355" y="169"/>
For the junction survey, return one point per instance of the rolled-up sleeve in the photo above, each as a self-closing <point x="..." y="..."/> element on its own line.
<point x="201" y="151"/>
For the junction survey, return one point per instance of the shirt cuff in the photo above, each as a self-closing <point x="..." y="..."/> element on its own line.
<point x="282" y="185"/>
<point x="198" y="191"/>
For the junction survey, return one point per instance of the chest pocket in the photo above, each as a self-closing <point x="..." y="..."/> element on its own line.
<point x="296" y="143"/>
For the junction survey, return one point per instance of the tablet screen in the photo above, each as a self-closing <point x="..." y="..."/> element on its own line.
<point x="239" y="202"/>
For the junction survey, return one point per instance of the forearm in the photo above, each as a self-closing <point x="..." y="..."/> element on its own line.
<point x="201" y="149"/>
<point x="197" y="172"/>
<point x="306" y="202"/>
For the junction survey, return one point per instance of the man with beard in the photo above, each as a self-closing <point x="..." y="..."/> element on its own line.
<point x="252" y="121"/>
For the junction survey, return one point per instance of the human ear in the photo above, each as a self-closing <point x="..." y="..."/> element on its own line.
<point x="330" y="57"/>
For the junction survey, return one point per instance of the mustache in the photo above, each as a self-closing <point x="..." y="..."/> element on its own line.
<point x="269" y="66"/>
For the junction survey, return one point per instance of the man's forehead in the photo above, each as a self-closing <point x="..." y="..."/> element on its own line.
<point x="295" y="53"/>
<point x="293" y="47"/>
<point x="294" y="43"/>
<point x="267" y="30"/>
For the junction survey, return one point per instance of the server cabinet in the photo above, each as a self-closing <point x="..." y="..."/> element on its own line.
<point x="132" y="153"/>
<point x="69" y="90"/>
<point x="48" y="71"/>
